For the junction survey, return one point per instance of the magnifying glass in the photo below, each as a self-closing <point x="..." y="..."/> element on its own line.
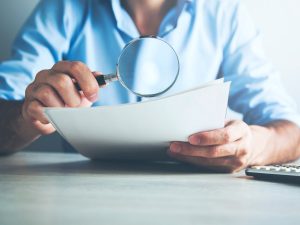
<point x="147" y="67"/>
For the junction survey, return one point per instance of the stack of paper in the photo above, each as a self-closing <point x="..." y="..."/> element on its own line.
<point x="142" y="130"/>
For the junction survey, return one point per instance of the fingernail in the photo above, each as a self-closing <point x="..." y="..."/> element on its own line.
<point x="175" y="148"/>
<point x="93" y="98"/>
<point x="195" y="141"/>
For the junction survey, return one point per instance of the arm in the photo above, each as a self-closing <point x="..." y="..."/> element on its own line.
<point x="238" y="145"/>
<point x="24" y="91"/>
<point x="22" y="122"/>
<point x="270" y="131"/>
<point x="282" y="144"/>
<point x="15" y="132"/>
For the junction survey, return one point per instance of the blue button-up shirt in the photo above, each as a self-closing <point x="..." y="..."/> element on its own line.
<point x="213" y="38"/>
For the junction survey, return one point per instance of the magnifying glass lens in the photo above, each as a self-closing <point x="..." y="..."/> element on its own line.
<point x="148" y="67"/>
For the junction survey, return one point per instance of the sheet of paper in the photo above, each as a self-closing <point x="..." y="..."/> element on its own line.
<point x="142" y="130"/>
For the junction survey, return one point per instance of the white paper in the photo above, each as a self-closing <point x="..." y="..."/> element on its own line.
<point x="142" y="130"/>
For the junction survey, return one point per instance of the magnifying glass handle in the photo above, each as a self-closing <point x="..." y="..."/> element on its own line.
<point x="101" y="80"/>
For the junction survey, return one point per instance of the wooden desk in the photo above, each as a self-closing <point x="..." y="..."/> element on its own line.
<point x="43" y="188"/>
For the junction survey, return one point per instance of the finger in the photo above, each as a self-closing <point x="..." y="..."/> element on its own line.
<point x="65" y="88"/>
<point x="62" y="83"/>
<point x="186" y="149"/>
<point x="225" y="164"/>
<point x="29" y="89"/>
<point x="233" y="131"/>
<point x="82" y="74"/>
<point x="84" y="101"/>
<point x="41" y="77"/>
<point x="47" y="96"/>
<point x="43" y="129"/>
<point x="35" y="111"/>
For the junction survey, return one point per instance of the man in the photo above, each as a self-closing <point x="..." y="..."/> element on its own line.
<point x="64" y="41"/>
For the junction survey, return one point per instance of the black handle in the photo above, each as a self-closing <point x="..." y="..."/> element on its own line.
<point x="100" y="80"/>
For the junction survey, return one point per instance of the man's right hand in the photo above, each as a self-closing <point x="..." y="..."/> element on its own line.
<point x="55" y="88"/>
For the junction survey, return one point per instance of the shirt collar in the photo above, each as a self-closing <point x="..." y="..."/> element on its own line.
<point x="169" y="23"/>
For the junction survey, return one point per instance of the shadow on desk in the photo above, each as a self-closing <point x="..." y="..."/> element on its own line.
<point x="81" y="165"/>
<point x="59" y="164"/>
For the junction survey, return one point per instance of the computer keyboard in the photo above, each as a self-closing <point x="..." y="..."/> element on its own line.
<point x="288" y="173"/>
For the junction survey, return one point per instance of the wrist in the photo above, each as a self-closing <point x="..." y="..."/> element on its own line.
<point x="262" y="145"/>
<point x="23" y="127"/>
<point x="15" y="131"/>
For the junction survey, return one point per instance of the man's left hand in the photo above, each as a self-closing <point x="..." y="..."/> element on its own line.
<point x="228" y="149"/>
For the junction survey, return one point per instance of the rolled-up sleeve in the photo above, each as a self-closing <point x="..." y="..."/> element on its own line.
<point x="41" y="42"/>
<point x="257" y="91"/>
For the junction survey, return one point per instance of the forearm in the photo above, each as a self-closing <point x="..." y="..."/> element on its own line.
<point x="15" y="132"/>
<point x="277" y="142"/>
